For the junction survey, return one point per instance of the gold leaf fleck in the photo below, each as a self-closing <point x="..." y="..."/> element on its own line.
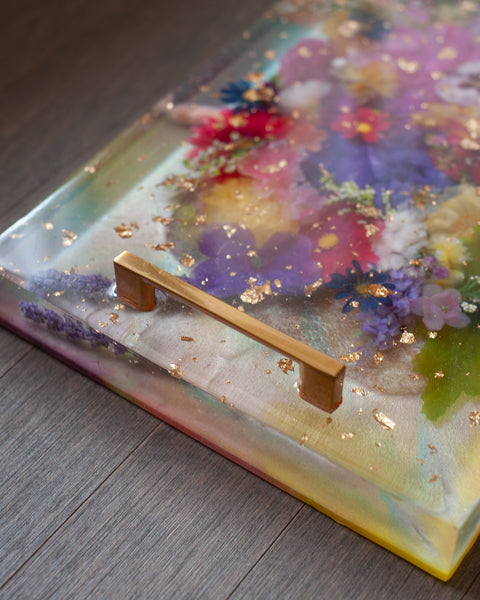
<point x="175" y="371"/>
<point x="47" y="226"/>
<point x="186" y="338"/>
<point x="102" y="324"/>
<point x="304" y="439"/>
<point x="114" y="318"/>
<point x="359" y="390"/>
<point x="286" y="365"/>
<point x="439" y="375"/>
<point x="384" y="421"/>
<point x="124" y="231"/>
<point x="162" y="220"/>
<point x="187" y="260"/>
<point x="378" y="358"/>
<point x="351" y="358"/>
<point x="309" y="289"/>
<point x="347" y="436"/>
<point x="407" y="338"/>
<point x="162" y="247"/>
<point x="68" y="237"/>
<point x="432" y="334"/>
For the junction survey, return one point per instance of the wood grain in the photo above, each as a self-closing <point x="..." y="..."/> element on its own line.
<point x="97" y="498"/>
<point x="152" y="537"/>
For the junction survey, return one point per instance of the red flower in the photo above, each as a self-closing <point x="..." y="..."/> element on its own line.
<point x="341" y="236"/>
<point x="256" y="126"/>
<point x="366" y="122"/>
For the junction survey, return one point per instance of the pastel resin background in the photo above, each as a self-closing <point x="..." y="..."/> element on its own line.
<point x="325" y="180"/>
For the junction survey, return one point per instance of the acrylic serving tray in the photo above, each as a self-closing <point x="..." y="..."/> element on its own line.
<point x="322" y="178"/>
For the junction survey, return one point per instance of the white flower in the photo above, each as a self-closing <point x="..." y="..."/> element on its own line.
<point x="463" y="86"/>
<point x="304" y="94"/>
<point x="402" y="239"/>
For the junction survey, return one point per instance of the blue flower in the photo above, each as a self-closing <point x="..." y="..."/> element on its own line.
<point x="366" y="291"/>
<point x="249" y="95"/>
<point x="47" y="282"/>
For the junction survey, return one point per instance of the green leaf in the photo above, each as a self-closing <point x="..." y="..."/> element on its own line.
<point x="450" y="361"/>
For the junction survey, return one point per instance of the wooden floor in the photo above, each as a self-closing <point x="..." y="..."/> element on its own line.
<point x="99" y="499"/>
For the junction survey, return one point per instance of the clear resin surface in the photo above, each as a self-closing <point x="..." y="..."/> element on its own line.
<point x="323" y="177"/>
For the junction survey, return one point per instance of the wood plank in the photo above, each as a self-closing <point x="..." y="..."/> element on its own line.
<point x="61" y="435"/>
<point x="12" y="349"/>
<point x="317" y="558"/>
<point x="174" y="521"/>
<point x="107" y="68"/>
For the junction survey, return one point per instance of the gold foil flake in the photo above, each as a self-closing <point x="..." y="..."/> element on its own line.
<point x="59" y="293"/>
<point x="163" y="220"/>
<point x="408" y="66"/>
<point x="90" y="169"/>
<point x="359" y="390"/>
<point x="175" y="371"/>
<point x="433" y="478"/>
<point x="267" y="371"/>
<point x="200" y="219"/>
<point x="354" y="304"/>
<point x="223" y="399"/>
<point x="305" y="52"/>
<point x="407" y="338"/>
<point x="277" y="283"/>
<point x="229" y="230"/>
<point x="16" y="236"/>
<point x="102" y="324"/>
<point x="433" y="450"/>
<point x="474" y="418"/>
<point x="378" y="290"/>
<point x="162" y="247"/>
<point x="447" y="53"/>
<point x="119" y="307"/>
<point x="378" y="358"/>
<point x="270" y="54"/>
<point x="47" y="226"/>
<point x="432" y="334"/>
<point x="436" y="75"/>
<point x="351" y="358"/>
<point x="228" y="382"/>
<point x="256" y="293"/>
<point x="370" y="230"/>
<point x="303" y="439"/>
<point x="68" y="237"/>
<point x="309" y="289"/>
<point x="185" y="183"/>
<point x="114" y="318"/>
<point x="439" y="375"/>
<point x="286" y="365"/>
<point x="383" y="420"/>
<point x="237" y="121"/>
<point x="328" y="420"/>
<point x="124" y="231"/>
<point x="186" y="338"/>
<point x="347" y="436"/>
<point x="187" y="260"/>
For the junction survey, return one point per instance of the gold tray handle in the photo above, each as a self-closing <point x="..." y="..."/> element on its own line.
<point x="321" y="377"/>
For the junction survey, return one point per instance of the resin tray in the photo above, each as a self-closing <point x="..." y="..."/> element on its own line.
<point x="323" y="179"/>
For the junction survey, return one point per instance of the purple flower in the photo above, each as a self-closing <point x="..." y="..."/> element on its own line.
<point x="385" y="323"/>
<point x="439" y="307"/>
<point x="284" y="261"/>
<point x="394" y="166"/>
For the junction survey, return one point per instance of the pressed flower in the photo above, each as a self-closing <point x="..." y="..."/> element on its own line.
<point x="457" y="215"/>
<point x="283" y="262"/>
<point x="239" y="200"/>
<point x="307" y="60"/>
<point x="462" y="86"/>
<point x="341" y="235"/>
<point x="250" y="94"/>
<point x="368" y="81"/>
<point x="440" y="307"/>
<point x="364" y="122"/>
<point x="366" y="291"/>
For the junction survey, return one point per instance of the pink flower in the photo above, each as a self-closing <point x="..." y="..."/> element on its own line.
<point x="439" y="307"/>
<point x="366" y="122"/>
<point x="309" y="59"/>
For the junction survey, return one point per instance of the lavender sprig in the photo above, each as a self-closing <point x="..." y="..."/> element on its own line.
<point x="71" y="327"/>
<point x="50" y="281"/>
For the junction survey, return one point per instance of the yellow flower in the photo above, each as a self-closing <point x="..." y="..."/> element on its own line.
<point x="237" y="200"/>
<point x="456" y="216"/>
<point x="374" y="78"/>
<point x="452" y="254"/>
